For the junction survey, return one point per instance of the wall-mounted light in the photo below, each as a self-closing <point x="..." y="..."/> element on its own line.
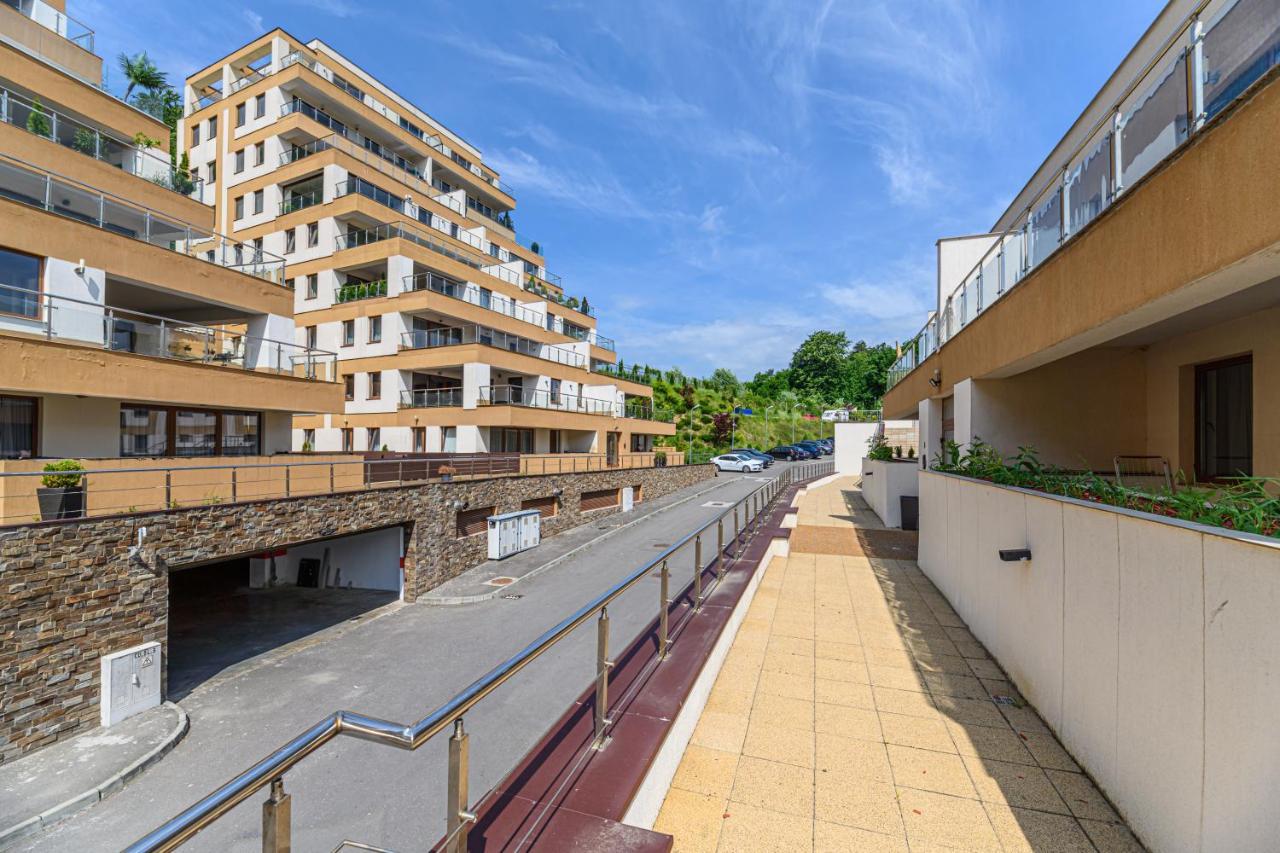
<point x="936" y="379"/>
<point x="458" y="504"/>
<point x="80" y="267"/>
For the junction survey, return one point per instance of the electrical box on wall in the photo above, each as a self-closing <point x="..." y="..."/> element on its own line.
<point x="130" y="682"/>
<point x="628" y="498"/>
<point x="513" y="532"/>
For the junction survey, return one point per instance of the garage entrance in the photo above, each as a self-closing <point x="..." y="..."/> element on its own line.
<point x="224" y="613"/>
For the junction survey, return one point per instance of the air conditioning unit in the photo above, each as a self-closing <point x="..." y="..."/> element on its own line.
<point x="130" y="682"/>
<point x="513" y="532"/>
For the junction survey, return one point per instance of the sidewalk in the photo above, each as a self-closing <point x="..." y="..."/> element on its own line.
<point x="855" y="711"/>
<point x="57" y="781"/>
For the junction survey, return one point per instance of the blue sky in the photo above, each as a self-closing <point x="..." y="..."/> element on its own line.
<point x="719" y="177"/>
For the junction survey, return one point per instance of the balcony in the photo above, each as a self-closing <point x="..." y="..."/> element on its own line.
<point x="401" y="231"/>
<point x="52" y="193"/>
<point x="516" y="395"/>
<point x="473" y="295"/>
<point x="358" y="290"/>
<point x="55" y="21"/>
<point x="60" y="318"/>
<point x="431" y="398"/>
<point x="37" y="118"/>
<point x="300" y="201"/>
<point x="461" y="335"/>
<point x="1205" y="66"/>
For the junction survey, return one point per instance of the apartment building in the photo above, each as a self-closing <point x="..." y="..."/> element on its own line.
<point x="451" y="334"/>
<point x="1126" y="304"/>
<point x="129" y="325"/>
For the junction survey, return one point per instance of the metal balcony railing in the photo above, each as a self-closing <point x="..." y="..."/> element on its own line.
<point x="724" y="538"/>
<point x="357" y="290"/>
<point x="300" y="201"/>
<point x="59" y="22"/>
<point x="1214" y="56"/>
<point x="516" y="395"/>
<point x="431" y="398"/>
<point x="62" y="318"/>
<point x="474" y="295"/>
<point x="459" y="335"/>
<point x="28" y="184"/>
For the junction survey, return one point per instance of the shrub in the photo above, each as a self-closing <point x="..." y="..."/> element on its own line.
<point x="62" y="481"/>
<point x="85" y="141"/>
<point x="880" y="450"/>
<point x="660" y="459"/>
<point x="37" y="120"/>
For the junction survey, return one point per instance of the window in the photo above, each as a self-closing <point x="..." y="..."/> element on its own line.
<point x="308" y="439"/>
<point x="144" y="432"/>
<point x="195" y="135"/>
<point x="373" y="436"/>
<point x="259" y="153"/>
<point x="375" y="330"/>
<point x="213" y="171"/>
<point x="555" y="441"/>
<point x="313" y="234"/>
<point x="313" y="286"/>
<point x="311" y="337"/>
<point x="18" y="419"/>
<point x="257" y="250"/>
<point x="348" y="440"/>
<point x="375" y="386"/>
<point x="471" y="522"/>
<point x="290" y="241"/>
<point x="503" y="440"/>
<point x="240" y="207"/>
<point x="260" y="106"/>
<point x="241" y="434"/>
<point x="164" y="431"/>
<point x="239" y="161"/>
<point x="213" y="126"/>
<point x="419" y="439"/>
<point x="555" y="392"/>
<point x="258" y="198"/>
<point x="641" y="443"/>
<point x="19" y="283"/>
<point x="1224" y="419"/>
<point x="348" y="332"/>
<point x="240" y="112"/>
<point x="195" y="434"/>
<point x="349" y="386"/>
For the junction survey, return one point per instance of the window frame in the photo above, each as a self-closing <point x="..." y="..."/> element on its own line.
<point x="348" y="386"/>
<point x="373" y="385"/>
<point x="375" y="322"/>
<point x="348" y="340"/>
<point x="35" y="424"/>
<point x="38" y="293"/>
<point x="171" y="429"/>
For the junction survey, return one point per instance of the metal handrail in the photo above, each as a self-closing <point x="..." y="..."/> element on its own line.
<point x="271" y="769"/>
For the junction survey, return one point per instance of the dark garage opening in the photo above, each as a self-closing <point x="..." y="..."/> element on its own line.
<point x="224" y="613"/>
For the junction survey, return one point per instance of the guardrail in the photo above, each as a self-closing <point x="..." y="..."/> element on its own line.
<point x="474" y="334"/>
<point x="1194" y="75"/>
<point x="747" y="515"/>
<point x="56" y="21"/>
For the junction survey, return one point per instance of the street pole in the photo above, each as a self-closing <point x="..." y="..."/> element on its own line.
<point x="793" y="422"/>
<point x="733" y="423"/>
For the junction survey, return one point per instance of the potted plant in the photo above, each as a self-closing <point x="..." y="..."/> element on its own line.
<point x="446" y="473"/>
<point x="85" y="141"/>
<point x="880" y="450"/>
<point x="38" y="121"/>
<point x="62" y="494"/>
<point x="306" y="447"/>
<point x="660" y="459"/>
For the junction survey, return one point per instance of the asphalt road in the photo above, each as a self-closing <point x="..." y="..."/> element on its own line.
<point x="399" y="667"/>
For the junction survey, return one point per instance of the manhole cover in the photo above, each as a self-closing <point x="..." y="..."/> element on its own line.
<point x="500" y="582"/>
<point x="513" y="596"/>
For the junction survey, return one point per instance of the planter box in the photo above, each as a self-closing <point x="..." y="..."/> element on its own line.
<point x="60" y="502"/>
<point x="1150" y="645"/>
<point x="883" y="483"/>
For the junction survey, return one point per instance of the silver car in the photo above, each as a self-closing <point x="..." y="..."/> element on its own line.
<point x="737" y="462"/>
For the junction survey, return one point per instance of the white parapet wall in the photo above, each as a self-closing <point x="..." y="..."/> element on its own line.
<point x="852" y="442"/>
<point x="884" y="483"/>
<point x="1151" y="646"/>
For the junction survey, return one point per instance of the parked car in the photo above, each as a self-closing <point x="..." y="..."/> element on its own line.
<point x="803" y="452"/>
<point x="786" y="451"/>
<point x="828" y="443"/>
<point x="765" y="459"/>
<point x="811" y="445"/>
<point x="737" y="462"/>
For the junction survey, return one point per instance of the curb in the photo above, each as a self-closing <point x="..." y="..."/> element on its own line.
<point x="99" y="792"/>
<point x="453" y="600"/>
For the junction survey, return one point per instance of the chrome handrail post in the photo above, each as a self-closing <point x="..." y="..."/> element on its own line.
<point x="603" y="664"/>
<point x="720" y="547"/>
<point x="664" y="600"/>
<point x="459" y="819"/>
<point x="697" y="573"/>
<point x="276" y="813"/>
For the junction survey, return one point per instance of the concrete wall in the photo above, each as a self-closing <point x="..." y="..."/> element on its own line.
<point x="884" y="483"/>
<point x="364" y="561"/>
<point x="1150" y="647"/>
<point x="74" y="593"/>
<point x="852" y="442"/>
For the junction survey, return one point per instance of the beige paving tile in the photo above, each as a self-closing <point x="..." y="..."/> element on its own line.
<point x="959" y="686"/>
<point x="788" y="663"/>
<point x="790" y="645"/>
<point x="846" y="722"/>
<point x="900" y="658"/>
<point x="853" y="760"/>
<point x="770" y="785"/>
<point x="1025" y="831"/>
<point x="717" y="730"/>
<point x="950" y="664"/>
<point x="1018" y="785"/>
<point x="793" y="628"/>
<point x="834" y="838"/>
<point x="729" y="700"/>
<point x="1000" y="744"/>
<point x="835" y="650"/>
<point x="945" y="821"/>
<point x="706" y="771"/>
<point x="1024" y="719"/>
<point x="975" y="712"/>
<point x="1046" y="750"/>
<point x="872" y="805"/>
<point x="752" y="829"/>
<point x="849" y="693"/>
<point x="782" y="744"/>
<point x="783" y="711"/>
<point x="1111" y="837"/>
<point x="930" y="771"/>
<point x="907" y="702"/>
<point x="841" y="670"/>
<point x="986" y="669"/>
<point x="692" y="819"/>
<point x="899" y="679"/>
<point x="917" y="732"/>
<point x="1082" y="796"/>
<point x="773" y="683"/>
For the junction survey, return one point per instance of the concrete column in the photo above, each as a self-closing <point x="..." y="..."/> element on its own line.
<point x="471" y="439"/>
<point x="930" y="430"/>
<point x="475" y="376"/>
<point x="267" y="345"/>
<point x="962" y="407"/>
<point x="399" y="268"/>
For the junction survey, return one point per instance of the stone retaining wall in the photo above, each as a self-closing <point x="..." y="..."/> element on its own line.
<point x="72" y="591"/>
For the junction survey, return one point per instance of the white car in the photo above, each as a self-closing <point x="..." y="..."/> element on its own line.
<point x="737" y="462"/>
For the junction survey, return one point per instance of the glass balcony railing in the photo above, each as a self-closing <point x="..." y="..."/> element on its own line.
<point x="459" y="335"/>
<point x="1215" y="56"/>
<point x="474" y="295"/>
<point x="36" y="117"/>
<point x="388" y="231"/>
<point x="64" y="319"/>
<point x="27" y="184"/>
<point x="431" y="398"/>
<point x="538" y="398"/>
<point x="300" y="201"/>
<point x="358" y="290"/>
<point x="52" y="19"/>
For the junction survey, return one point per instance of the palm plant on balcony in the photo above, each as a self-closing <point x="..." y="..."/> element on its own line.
<point x="139" y="70"/>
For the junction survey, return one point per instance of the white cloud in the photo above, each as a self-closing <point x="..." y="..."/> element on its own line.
<point x="254" y="20"/>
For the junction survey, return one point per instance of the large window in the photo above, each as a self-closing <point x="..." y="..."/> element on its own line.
<point x="18" y="419"/>
<point x="510" y="440"/>
<point x="20" y="277"/>
<point x="161" y="431"/>
<point x="1224" y="419"/>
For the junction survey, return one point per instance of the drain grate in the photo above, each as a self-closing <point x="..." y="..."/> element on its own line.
<point x="503" y="581"/>
<point x="513" y="596"/>
<point x="717" y="504"/>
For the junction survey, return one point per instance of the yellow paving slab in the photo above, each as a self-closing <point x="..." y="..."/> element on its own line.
<point x="855" y="712"/>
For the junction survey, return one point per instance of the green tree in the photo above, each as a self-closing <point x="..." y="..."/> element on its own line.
<point x="38" y="119"/>
<point x="819" y="367"/>
<point x="139" y="70"/>
<point x="868" y="374"/>
<point x="723" y="380"/>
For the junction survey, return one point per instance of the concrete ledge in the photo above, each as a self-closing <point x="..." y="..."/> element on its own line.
<point x="104" y="789"/>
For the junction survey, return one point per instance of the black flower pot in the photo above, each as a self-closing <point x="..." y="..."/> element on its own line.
<point x="60" y="502"/>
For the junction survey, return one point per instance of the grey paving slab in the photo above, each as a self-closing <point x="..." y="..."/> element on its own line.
<point x="398" y="666"/>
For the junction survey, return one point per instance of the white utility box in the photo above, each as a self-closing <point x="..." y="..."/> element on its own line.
<point x="513" y="532"/>
<point x="130" y="682"/>
<point x="628" y="498"/>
